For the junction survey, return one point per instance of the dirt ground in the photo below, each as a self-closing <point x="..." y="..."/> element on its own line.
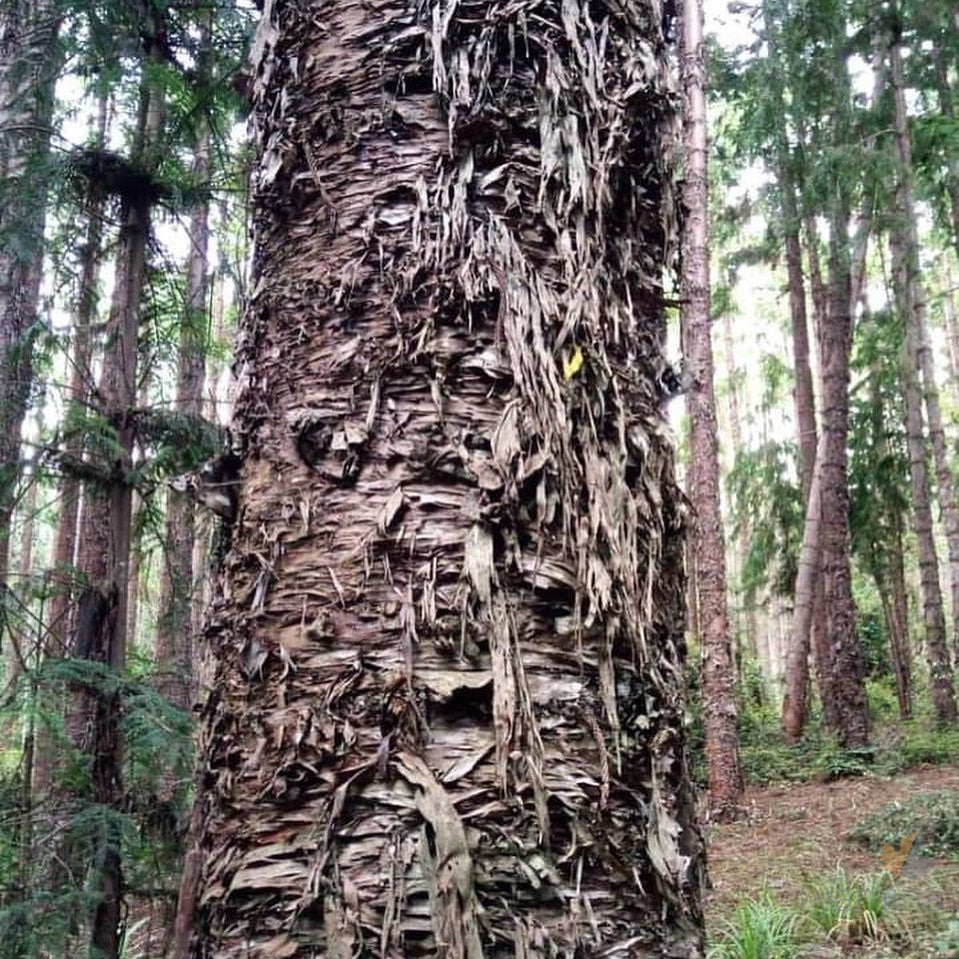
<point x="793" y="834"/>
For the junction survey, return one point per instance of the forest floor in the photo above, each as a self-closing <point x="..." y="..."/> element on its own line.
<point x="795" y="834"/>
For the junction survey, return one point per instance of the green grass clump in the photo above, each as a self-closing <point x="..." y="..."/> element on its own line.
<point x="851" y="908"/>
<point x="757" y="929"/>
<point x="934" y="816"/>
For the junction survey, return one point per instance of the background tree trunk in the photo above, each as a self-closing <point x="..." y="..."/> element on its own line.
<point x="847" y="714"/>
<point x="174" y="637"/>
<point x="808" y="615"/>
<point x="914" y="300"/>
<point x="755" y="643"/>
<point x="105" y="539"/>
<point x="937" y="652"/>
<point x="28" y="65"/>
<point x="719" y="674"/>
<point x="449" y="627"/>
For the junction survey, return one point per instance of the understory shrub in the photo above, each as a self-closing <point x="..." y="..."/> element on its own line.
<point x="933" y="816"/>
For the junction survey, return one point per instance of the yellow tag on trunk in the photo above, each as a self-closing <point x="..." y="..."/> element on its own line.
<point x="574" y="364"/>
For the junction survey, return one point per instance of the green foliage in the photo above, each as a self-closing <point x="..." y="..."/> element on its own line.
<point x="947" y="942"/>
<point x="757" y="929"/>
<point x="851" y="908"/>
<point x="883" y="705"/>
<point x="934" y="816"/>
<point x="767" y="501"/>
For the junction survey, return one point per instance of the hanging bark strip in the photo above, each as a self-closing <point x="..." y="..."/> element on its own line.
<point x="719" y="675"/>
<point x="447" y="713"/>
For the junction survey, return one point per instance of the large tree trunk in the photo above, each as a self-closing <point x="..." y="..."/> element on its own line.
<point x="447" y="717"/>
<point x="719" y="674"/>
<point x="28" y="64"/>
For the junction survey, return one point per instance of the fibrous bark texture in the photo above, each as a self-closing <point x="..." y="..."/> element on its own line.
<point x="447" y="713"/>
<point x="719" y="674"/>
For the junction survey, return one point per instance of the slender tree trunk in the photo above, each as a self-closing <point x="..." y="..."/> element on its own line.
<point x="947" y="109"/>
<point x="104" y="555"/>
<point x="808" y="615"/>
<point x="952" y="330"/>
<point x="757" y="649"/>
<point x="458" y="653"/>
<point x="28" y="64"/>
<point x="899" y="634"/>
<point x="81" y="381"/>
<point x="719" y="674"/>
<point x="937" y="651"/>
<point x="906" y="270"/>
<point x="174" y="639"/>
<point x="846" y="712"/>
<point x="913" y="298"/>
<point x="62" y="574"/>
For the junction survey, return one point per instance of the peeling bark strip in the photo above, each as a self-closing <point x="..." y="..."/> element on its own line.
<point x="447" y="713"/>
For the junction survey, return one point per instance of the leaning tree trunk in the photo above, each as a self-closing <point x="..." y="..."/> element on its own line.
<point x="913" y="298"/>
<point x="28" y="66"/>
<point x="447" y="717"/>
<point x="719" y="673"/>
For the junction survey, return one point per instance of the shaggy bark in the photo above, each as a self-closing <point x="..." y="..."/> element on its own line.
<point x="447" y="712"/>
<point x="28" y="65"/>
<point x="719" y="674"/>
